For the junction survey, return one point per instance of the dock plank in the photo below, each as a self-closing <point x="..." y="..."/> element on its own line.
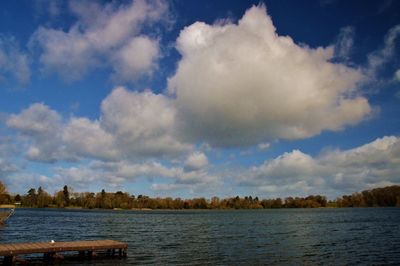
<point x="9" y="249"/>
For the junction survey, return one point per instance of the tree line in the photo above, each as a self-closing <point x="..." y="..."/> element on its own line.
<point x="377" y="197"/>
<point x="39" y="198"/>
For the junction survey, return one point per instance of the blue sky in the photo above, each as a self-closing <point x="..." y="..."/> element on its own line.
<point x="188" y="99"/>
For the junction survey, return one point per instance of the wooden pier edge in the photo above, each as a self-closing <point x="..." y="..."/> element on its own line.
<point x="51" y="250"/>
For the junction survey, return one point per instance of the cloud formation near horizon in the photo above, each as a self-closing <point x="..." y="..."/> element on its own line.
<point x="295" y="173"/>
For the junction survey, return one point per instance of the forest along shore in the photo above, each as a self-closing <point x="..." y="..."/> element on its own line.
<point x="38" y="198"/>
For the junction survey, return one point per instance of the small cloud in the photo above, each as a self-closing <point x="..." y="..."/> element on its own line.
<point x="14" y="63"/>
<point x="344" y="43"/>
<point x="167" y="187"/>
<point x="74" y="106"/>
<point x="137" y="58"/>
<point x="52" y="8"/>
<point x="397" y="75"/>
<point x="378" y="58"/>
<point x="263" y="146"/>
<point x="196" y="161"/>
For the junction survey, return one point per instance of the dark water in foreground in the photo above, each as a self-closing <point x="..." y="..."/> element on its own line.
<point x="273" y="237"/>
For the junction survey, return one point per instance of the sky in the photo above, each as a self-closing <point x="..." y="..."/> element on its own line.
<point x="200" y="98"/>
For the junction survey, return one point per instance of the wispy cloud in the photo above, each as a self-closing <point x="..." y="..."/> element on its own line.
<point x="344" y="43"/>
<point x="380" y="57"/>
<point x="14" y="64"/>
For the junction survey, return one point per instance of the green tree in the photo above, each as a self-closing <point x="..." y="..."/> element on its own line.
<point x="17" y="198"/>
<point x="66" y="196"/>
<point x="30" y="198"/>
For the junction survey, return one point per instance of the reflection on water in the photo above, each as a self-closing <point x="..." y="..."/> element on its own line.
<point x="297" y="236"/>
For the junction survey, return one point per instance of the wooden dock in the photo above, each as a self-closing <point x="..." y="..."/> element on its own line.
<point x="52" y="249"/>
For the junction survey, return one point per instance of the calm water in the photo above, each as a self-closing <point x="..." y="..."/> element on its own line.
<point x="273" y="237"/>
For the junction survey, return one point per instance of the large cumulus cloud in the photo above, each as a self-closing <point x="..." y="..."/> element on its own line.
<point x="240" y="84"/>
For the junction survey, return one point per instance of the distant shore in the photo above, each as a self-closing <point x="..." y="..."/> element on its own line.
<point x="378" y="197"/>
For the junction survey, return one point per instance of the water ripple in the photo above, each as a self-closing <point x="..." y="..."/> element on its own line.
<point x="263" y="237"/>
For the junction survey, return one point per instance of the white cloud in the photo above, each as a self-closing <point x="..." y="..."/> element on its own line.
<point x="378" y="58"/>
<point x="86" y="138"/>
<point x="116" y="173"/>
<point x="136" y="58"/>
<point x="143" y="124"/>
<point x="21" y="182"/>
<point x="14" y="64"/>
<point x="106" y="36"/>
<point x="40" y="125"/>
<point x="36" y="120"/>
<point x="242" y="84"/>
<point x="6" y="168"/>
<point x="132" y="125"/>
<point x="344" y="43"/>
<point x="264" y="146"/>
<point x="196" y="161"/>
<point x="53" y="8"/>
<point x="81" y="176"/>
<point x="42" y="128"/>
<point x="397" y="75"/>
<point x="68" y="54"/>
<point x="333" y="172"/>
<point x="168" y="187"/>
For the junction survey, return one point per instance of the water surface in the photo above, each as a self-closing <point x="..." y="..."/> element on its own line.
<point x="367" y="236"/>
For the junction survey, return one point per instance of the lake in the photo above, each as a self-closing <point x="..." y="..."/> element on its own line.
<point x="367" y="236"/>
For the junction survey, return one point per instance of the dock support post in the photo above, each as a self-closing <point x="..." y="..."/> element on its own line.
<point x="92" y="254"/>
<point x="48" y="255"/>
<point x="8" y="260"/>
<point x="124" y="253"/>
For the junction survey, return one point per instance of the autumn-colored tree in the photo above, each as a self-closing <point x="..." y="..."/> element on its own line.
<point x="43" y="198"/>
<point x="387" y="196"/>
<point x="4" y="196"/>
<point x="59" y="199"/>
